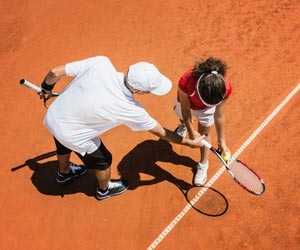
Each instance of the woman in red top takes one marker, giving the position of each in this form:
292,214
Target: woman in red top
202,92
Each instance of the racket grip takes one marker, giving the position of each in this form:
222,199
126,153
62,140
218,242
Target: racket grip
206,143
30,85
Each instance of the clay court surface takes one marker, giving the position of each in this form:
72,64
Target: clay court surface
259,40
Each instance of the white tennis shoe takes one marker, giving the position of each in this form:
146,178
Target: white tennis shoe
201,174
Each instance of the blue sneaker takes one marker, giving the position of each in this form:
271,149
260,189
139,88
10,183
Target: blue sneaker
75,171
114,188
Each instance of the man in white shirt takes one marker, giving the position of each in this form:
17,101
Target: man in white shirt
98,99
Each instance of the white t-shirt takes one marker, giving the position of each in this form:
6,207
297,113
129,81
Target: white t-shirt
95,101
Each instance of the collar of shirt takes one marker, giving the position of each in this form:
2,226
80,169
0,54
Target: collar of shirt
122,84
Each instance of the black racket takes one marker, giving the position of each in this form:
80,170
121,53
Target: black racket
39,91
246,177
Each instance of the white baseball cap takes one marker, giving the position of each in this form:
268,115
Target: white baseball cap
145,76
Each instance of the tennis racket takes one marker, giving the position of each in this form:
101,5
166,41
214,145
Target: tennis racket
39,91
246,177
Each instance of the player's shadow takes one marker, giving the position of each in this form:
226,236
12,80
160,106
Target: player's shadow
44,174
144,159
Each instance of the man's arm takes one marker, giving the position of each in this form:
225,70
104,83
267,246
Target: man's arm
50,79
171,136
55,74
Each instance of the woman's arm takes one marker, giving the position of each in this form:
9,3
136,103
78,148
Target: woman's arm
219,123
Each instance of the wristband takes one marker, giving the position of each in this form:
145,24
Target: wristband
46,86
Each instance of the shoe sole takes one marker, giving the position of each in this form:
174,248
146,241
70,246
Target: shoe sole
71,178
110,195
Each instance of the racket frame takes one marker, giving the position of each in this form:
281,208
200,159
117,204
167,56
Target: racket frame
226,164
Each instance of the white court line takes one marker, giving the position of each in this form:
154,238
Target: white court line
185,210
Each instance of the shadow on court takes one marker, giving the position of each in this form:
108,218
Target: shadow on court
144,159
206,200
44,175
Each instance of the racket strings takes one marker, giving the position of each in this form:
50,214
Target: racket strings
246,177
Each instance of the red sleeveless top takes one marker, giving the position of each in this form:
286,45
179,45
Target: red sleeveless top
188,85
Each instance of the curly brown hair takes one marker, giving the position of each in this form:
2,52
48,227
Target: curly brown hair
211,85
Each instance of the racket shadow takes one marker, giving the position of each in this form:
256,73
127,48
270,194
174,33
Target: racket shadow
206,200
143,159
44,174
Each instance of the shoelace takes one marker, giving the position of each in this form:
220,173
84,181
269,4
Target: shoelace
200,171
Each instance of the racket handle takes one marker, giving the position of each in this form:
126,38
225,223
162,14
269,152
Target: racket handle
206,143
30,85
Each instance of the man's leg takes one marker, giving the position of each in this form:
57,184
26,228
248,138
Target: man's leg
101,160
64,162
103,178
67,170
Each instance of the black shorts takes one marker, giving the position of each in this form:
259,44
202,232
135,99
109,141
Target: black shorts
100,159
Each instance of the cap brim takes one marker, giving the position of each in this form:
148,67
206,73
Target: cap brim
164,87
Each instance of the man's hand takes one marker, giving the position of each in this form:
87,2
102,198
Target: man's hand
46,94
197,142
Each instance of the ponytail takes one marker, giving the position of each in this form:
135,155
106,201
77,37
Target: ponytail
211,86
208,66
